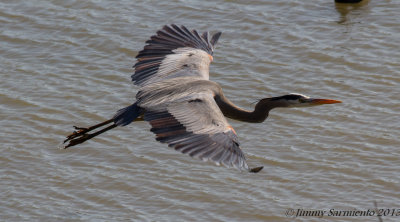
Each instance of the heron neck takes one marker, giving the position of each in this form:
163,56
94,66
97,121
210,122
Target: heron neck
258,115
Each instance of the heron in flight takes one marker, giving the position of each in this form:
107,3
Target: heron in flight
184,108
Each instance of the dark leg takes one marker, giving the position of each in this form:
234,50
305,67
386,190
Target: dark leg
81,134
86,136
80,131
122,118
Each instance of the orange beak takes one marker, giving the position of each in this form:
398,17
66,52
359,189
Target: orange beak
211,58
324,101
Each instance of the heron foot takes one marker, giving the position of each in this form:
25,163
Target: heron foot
256,169
81,134
80,128
79,131
82,138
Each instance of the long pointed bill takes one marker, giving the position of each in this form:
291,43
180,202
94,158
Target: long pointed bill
324,101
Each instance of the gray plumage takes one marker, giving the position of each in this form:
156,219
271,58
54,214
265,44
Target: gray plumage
184,108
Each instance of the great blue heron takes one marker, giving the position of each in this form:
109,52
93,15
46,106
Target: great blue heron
185,109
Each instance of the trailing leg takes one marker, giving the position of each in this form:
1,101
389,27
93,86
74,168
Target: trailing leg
122,118
82,131
82,137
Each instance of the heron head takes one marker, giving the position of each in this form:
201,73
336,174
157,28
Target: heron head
299,100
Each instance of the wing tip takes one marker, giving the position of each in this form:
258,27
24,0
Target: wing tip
214,38
163,43
187,39
256,169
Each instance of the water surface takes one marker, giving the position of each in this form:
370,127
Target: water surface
66,63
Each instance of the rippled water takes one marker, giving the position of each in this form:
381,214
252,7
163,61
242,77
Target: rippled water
66,63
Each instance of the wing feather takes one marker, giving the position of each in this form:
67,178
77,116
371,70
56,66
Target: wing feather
206,37
195,126
215,38
172,50
183,33
177,99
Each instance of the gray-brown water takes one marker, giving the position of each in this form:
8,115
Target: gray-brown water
66,63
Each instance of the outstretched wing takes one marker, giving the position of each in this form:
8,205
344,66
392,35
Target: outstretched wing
174,52
194,125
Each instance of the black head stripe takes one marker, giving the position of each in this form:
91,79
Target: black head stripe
287,97
291,97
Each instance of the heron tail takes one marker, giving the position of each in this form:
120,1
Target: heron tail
127,115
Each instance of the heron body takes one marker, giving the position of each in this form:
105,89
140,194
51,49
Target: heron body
184,108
